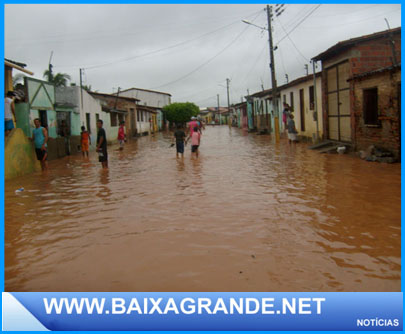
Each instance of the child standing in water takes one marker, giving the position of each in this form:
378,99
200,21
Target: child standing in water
292,131
180,137
121,135
85,141
195,141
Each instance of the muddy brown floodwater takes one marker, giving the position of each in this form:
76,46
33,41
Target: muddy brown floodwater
248,215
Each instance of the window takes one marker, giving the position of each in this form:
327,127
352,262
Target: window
138,116
120,118
370,106
113,119
292,100
88,122
311,98
97,118
284,98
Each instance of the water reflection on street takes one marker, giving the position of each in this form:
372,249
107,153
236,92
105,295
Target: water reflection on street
248,215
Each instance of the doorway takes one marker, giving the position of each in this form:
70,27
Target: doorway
302,110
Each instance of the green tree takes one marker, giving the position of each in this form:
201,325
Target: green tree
180,112
59,79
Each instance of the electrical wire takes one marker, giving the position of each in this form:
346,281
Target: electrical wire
206,62
160,50
292,42
299,23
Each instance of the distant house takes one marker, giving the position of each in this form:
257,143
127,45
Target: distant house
351,71
152,99
206,115
239,111
146,120
261,113
118,108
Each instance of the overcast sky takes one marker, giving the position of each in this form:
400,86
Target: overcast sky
185,50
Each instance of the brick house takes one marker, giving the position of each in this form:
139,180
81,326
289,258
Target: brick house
376,108
349,70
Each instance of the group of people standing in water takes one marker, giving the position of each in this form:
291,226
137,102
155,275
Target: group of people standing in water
195,127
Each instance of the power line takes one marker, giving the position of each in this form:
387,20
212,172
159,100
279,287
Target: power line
357,21
292,42
296,26
322,16
205,63
159,50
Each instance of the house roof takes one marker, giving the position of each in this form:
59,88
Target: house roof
145,90
237,105
114,96
17,66
378,71
110,109
15,62
285,86
146,108
353,41
215,109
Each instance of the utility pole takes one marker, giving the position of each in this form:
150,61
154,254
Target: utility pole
273,76
316,101
50,68
219,113
306,68
286,77
394,57
81,87
227,94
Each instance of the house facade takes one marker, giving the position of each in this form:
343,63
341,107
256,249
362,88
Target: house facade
240,115
146,120
262,116
119,109
376,110
351,59
152,99
300,96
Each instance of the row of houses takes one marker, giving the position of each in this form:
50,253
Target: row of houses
141,110
357,96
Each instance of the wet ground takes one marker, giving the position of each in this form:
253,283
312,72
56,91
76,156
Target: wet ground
248,215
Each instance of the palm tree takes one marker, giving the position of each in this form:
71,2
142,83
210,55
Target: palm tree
59,79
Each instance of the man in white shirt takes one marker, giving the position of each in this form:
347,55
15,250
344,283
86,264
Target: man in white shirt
9,111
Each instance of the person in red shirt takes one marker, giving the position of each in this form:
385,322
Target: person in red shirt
121,135
192,125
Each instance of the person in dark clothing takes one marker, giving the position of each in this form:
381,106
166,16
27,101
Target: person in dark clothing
64,131
180,136
102,145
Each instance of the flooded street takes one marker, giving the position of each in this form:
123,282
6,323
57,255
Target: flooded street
248,215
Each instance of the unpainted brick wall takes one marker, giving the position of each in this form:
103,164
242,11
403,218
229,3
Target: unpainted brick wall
387,135
375,54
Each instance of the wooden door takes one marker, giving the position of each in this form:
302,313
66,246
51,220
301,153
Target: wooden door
338,102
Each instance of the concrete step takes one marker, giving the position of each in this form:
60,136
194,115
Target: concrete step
321,145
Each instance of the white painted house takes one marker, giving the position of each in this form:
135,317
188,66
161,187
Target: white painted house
152,99
300,95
